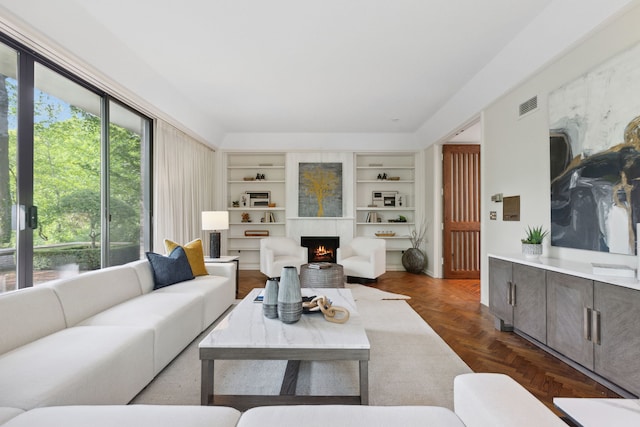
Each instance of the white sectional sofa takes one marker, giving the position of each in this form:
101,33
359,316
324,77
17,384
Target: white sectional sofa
481,400
100,337
75,351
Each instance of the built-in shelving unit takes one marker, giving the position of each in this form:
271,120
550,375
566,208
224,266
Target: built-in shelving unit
256,183
264,178
385,200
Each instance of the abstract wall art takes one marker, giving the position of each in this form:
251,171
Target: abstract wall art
594,124
320,189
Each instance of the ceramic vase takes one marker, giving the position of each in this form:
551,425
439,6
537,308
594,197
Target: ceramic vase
289,295
270,299
414,260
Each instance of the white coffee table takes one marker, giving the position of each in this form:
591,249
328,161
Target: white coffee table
246,334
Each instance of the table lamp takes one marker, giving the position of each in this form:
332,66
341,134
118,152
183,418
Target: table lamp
215,220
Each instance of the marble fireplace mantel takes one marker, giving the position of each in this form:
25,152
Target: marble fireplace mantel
321,226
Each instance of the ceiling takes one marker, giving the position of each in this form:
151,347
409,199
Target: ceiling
315,66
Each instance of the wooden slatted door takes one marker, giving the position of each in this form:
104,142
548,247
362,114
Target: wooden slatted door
461,198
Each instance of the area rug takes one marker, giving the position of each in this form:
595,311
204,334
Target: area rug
410,365
362,292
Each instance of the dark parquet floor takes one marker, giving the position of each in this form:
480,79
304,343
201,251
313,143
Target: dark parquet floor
453,309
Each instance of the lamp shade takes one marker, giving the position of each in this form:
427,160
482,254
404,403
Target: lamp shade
215,220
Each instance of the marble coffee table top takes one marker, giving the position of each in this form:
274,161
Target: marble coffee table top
246,327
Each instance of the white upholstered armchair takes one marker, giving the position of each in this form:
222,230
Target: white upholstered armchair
364,257
277,252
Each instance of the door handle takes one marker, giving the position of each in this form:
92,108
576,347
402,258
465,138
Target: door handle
586,323
595,326
32,217
509,292
513,295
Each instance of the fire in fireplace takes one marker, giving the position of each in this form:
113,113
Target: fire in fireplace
321,248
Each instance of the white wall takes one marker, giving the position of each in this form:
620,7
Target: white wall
515,152
321,141
433,209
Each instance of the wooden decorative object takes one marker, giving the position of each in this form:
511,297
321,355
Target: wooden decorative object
253,233
385,234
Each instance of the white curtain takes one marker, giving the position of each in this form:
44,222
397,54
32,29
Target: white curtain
183,176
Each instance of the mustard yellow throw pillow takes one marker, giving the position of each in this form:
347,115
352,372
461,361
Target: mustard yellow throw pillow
194,252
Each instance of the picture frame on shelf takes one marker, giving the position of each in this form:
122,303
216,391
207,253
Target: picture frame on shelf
259,198
385,198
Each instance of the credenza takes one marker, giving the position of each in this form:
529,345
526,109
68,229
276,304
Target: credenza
591,321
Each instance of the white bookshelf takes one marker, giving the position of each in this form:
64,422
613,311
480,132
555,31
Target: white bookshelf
242,173
397,200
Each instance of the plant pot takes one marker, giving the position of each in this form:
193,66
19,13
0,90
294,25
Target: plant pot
414,260
531,250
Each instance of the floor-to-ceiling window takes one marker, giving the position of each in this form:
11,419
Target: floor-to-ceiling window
73,174
128,176
8,159
66,176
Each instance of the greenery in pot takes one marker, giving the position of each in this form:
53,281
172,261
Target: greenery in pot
416,236
535,235
532,243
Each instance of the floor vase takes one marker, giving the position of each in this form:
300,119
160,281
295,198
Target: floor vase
414,260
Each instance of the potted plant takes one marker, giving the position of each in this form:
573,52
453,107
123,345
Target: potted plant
532,242
414,259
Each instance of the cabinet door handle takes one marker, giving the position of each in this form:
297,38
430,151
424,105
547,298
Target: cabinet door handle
510,292
595,326
513,295
586,323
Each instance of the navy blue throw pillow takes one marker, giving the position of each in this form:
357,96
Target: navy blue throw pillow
171,269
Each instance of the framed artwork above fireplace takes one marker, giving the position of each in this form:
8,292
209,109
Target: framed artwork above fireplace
320,189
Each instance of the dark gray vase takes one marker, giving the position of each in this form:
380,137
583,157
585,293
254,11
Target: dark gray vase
289,295
414,260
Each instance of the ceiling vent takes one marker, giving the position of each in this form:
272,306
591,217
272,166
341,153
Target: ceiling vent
528,106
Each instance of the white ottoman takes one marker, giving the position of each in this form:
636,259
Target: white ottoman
127,416
349,415
497,400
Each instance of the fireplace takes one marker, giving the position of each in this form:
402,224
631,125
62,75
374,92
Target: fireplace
321,248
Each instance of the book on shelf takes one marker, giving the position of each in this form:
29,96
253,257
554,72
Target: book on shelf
618,270
319,265
268,217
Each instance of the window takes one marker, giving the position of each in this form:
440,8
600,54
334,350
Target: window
74,194
8,175
128,132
